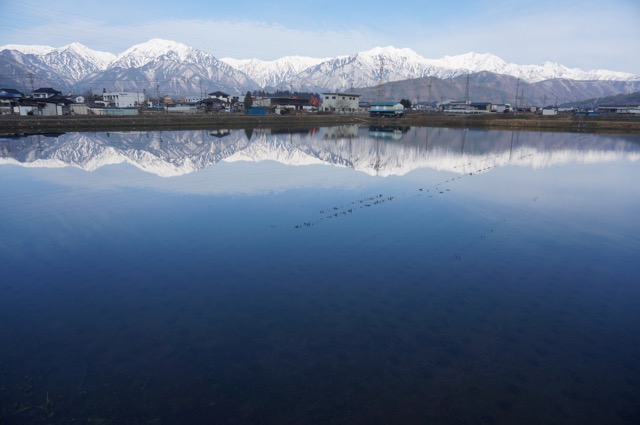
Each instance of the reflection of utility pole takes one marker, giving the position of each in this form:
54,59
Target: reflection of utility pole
376,166
511,148
464,137
426,146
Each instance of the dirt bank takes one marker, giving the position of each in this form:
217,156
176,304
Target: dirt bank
531,122
526,122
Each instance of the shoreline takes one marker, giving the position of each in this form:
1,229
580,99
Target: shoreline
615,124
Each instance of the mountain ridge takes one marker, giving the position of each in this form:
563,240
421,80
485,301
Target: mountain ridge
175,68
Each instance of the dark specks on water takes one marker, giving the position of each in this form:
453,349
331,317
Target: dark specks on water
435,278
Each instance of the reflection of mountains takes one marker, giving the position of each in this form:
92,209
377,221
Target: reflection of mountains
173,153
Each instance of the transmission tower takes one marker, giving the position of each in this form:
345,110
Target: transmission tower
31,75
466,90
380,78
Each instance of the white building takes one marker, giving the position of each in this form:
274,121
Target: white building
191,99
45,93
220,96
123,99
340,102
501,107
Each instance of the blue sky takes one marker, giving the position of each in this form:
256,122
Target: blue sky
583,34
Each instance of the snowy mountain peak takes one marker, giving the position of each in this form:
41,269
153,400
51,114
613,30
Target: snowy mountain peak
271,73
295,62
390,51
191,70
100,59
471,62
35,49
143,53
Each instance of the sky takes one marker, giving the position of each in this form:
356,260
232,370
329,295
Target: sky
584,34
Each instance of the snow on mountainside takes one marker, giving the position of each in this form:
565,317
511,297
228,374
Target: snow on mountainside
100,59
27,49
71,63
143,53
177,69
272,73
51,55
183,70
363,69
17,67
77,61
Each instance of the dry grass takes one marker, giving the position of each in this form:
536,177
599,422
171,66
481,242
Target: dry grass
527,122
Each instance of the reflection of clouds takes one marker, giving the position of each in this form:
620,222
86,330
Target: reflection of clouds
178,153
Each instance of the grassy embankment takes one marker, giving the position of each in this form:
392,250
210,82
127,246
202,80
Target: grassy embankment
526,122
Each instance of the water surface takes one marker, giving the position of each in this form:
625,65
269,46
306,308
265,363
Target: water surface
333,275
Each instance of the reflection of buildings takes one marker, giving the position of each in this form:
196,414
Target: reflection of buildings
220,132
294,130
340,132
388,132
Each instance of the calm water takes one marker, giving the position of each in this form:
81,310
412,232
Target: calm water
336,275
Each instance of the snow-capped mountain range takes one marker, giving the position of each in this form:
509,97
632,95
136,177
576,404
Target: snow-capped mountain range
177,69
274,73
177,153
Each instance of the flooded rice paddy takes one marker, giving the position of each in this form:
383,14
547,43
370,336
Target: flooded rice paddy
343,275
